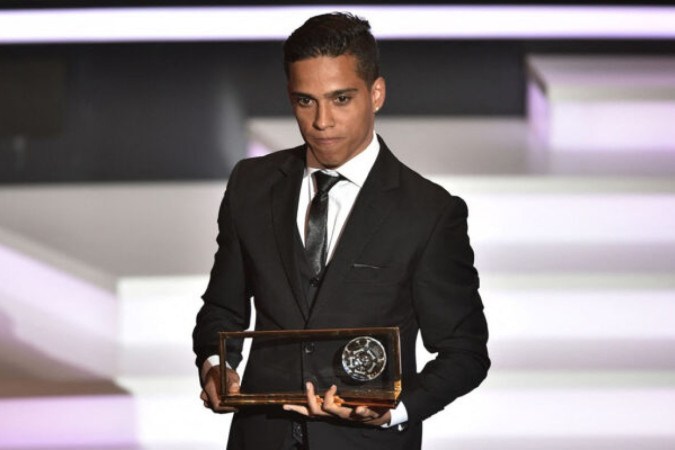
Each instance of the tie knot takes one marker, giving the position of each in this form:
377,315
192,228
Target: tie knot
325,182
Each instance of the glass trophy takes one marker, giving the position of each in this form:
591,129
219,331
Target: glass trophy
364,364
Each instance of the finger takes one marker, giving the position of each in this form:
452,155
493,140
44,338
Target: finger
217,408
224,409
332,406
382,418
211,396
214,405
313,406
297,408
313,403
232,382
233,388
212,401
365,413
329,399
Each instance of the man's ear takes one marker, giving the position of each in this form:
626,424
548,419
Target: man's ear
378,93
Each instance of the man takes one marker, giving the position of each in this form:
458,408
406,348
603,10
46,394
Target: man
393,251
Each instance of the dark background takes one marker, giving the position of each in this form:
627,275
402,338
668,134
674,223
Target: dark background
177,111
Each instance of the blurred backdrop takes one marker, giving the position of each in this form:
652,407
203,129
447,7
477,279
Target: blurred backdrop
118,128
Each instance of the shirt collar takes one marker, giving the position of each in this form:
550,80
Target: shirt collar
357,168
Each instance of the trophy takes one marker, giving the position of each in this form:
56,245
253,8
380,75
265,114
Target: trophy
364,364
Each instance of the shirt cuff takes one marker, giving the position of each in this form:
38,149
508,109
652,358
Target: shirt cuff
399,416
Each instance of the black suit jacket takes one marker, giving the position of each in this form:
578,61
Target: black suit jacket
403,260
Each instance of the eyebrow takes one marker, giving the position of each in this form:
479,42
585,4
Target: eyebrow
332,94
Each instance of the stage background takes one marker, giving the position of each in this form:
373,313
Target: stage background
115,153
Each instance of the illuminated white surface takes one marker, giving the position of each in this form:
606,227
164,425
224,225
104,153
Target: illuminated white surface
173,303
175,415
68,422
566,313
572,218
58,295
176,220
389,22
540,412
602,103
157,315
54,316
604,77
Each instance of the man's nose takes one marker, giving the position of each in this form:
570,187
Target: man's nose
324,117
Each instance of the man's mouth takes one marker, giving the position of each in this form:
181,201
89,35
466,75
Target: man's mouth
327,140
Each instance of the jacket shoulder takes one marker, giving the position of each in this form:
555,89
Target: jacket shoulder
267,167
277,159
427,192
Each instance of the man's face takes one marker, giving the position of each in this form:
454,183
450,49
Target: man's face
334,107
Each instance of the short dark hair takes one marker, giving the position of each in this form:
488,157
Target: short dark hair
335,34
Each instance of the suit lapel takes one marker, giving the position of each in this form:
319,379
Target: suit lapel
376,199
285,194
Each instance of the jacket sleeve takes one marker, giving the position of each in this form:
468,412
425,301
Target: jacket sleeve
227,305
450,315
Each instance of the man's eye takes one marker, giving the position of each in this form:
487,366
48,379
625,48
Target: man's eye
304,101
342,99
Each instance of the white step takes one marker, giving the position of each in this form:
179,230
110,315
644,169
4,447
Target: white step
64,421
159,309
563,313
582,413
562,218
162,412
621,259
602,102
503,211
581,321
55,325
120,229
588,418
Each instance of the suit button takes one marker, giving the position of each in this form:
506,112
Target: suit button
314,282
297,431
309,347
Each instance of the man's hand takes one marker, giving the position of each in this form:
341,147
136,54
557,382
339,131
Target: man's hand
212,387
328,408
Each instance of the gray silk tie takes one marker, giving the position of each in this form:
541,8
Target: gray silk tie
316,238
